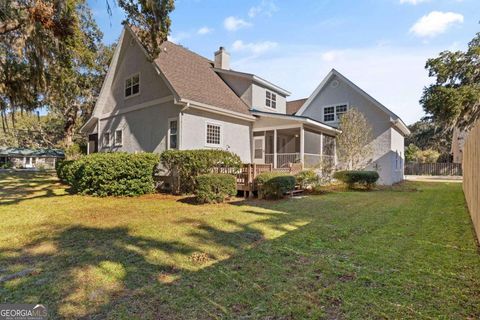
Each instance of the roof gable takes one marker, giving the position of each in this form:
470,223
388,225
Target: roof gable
396,119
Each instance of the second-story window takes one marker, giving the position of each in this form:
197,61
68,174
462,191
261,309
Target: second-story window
271,100
132,85
334,113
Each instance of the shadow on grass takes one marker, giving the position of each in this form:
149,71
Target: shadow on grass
85,271
16,187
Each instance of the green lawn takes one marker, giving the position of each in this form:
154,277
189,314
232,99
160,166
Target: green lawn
405,252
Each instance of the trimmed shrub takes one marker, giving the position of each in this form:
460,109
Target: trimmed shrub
65,170
110,174
189,164
306,178
273,185
215,187
367,178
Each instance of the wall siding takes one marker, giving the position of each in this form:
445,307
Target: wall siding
386,140
143,130
132,60
236,134
258,100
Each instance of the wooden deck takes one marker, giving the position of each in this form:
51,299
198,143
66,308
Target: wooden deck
248,173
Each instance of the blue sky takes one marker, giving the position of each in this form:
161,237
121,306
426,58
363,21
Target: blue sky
381,45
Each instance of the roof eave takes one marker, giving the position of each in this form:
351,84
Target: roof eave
256,79
206,107
301,119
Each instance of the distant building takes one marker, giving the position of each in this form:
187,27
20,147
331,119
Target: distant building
458,141
30,158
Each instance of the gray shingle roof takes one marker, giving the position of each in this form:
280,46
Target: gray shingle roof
26,152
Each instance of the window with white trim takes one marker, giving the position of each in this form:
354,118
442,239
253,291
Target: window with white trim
106,139
214,132
173,134
334,113
118,137
271,100
132,86
329,114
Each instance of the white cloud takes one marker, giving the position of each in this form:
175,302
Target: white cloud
414,2
204,30
395,76
266,7
255,48
330,56
233,23
435,23
178,37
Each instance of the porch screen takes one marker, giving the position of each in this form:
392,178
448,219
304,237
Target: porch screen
312,142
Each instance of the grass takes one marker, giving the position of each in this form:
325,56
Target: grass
404,252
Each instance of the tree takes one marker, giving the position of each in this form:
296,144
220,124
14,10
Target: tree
29,17
411,153
426,134
48,50
353,144
427,156
454,99
32,131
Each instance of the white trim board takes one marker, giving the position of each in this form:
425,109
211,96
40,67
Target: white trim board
136,107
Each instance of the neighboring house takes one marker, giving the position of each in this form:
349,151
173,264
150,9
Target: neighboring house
30,158
334,96
184,101
458,141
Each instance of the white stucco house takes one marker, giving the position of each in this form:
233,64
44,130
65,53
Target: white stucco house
182,100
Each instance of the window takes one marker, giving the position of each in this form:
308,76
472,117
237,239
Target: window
271,100
106,139
132,85
333,113
118,137
173,134
329,114
213,134
340,110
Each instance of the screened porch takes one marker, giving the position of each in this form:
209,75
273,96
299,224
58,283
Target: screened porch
284,146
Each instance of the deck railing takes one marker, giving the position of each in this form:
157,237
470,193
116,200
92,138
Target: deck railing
283,159
311,160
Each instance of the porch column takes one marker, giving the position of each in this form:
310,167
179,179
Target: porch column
302,145
321,146
322,163
274,148
335,151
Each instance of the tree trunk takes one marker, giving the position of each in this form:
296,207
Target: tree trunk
68,133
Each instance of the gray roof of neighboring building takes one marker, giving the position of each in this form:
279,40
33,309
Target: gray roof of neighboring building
27,152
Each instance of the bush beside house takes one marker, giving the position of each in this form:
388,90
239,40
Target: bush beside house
307,178
189,164
273,185
366,178
110,174
215,187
